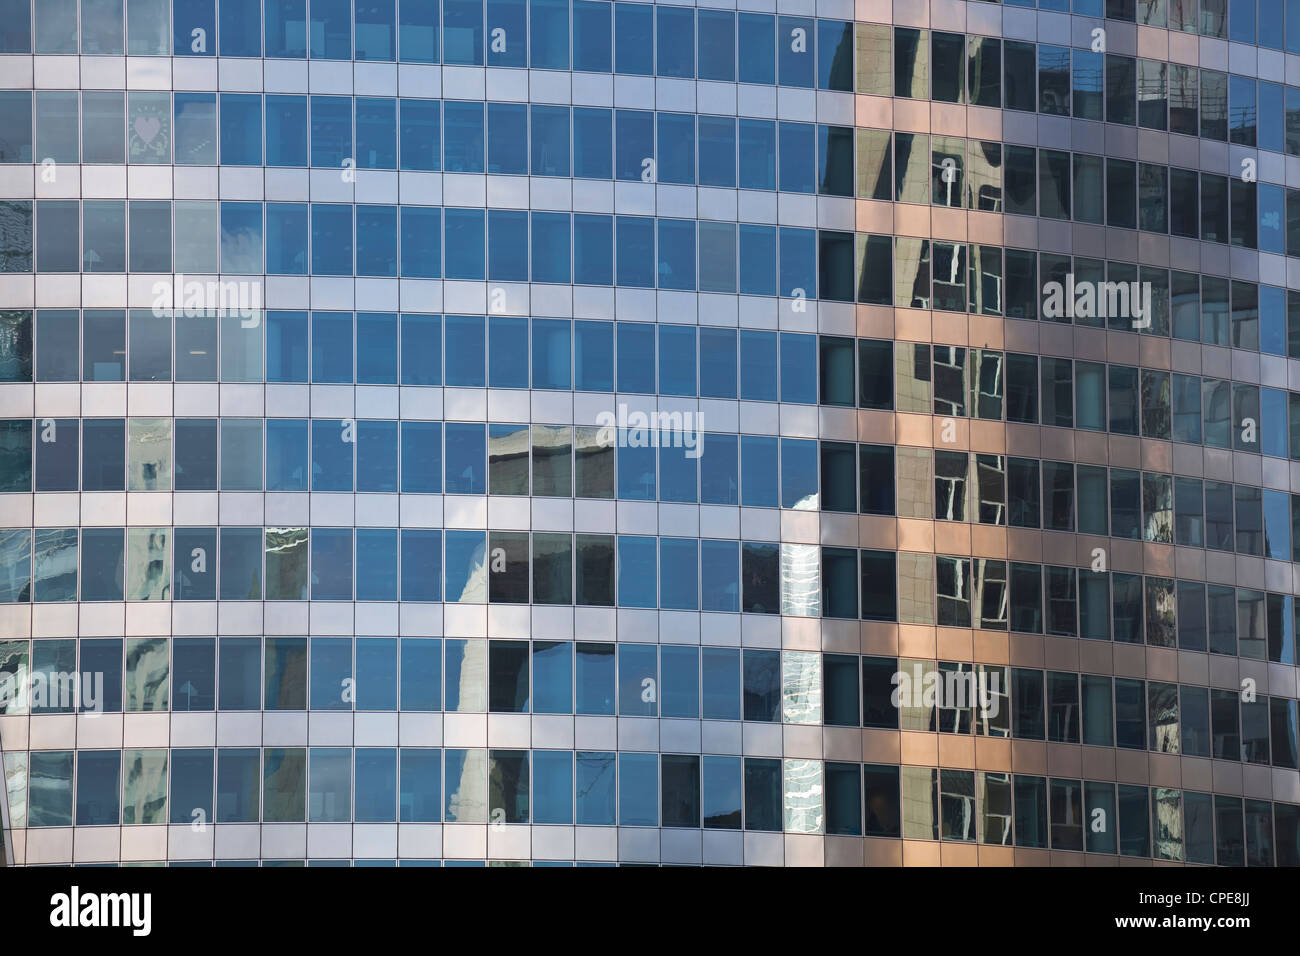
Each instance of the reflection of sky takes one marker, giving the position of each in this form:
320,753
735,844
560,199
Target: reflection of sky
467,573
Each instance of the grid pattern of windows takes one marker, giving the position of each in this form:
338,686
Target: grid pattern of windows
574,432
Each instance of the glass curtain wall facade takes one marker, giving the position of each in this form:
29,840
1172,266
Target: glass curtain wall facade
571,432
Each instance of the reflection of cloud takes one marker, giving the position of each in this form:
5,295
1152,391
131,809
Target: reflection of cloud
475,590
467,794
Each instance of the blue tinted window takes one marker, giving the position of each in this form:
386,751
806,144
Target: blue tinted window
421,565
633,38
718,151
287,460
551,354
552,677
421,681
548,35
717,45
798,262
376,687
193,673
677,255
376,348
592,25
636,571
286,238
331,130
593,260
462,32
550,141
374,27
634,252
421,242
376,564
466,351
99,787
676,359
507,138
834,55
286,28
507,245
594,785
377,241
377,456
331,239
420,794
758,154
466,459
678,582
286,130
417,31
720,471
421,349
678,465
331,673
376,133
331,564
190,794
757,42
375,798
101,564
758,378
636,465
464,562
241,237
717,363
200,16
593,143
593,356
638,789
634,137
550,247
331,347
286,346
465,241
421,135
194,136
719,577
421,457
758,462
757,260
676,137
795,51
463,137
675,41
797,144
507,351
553,787
594,678
331,455
238,786
636,349
798,368
799,473
330,29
